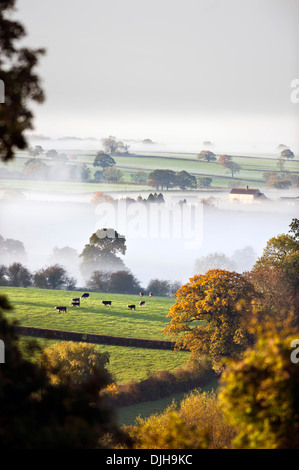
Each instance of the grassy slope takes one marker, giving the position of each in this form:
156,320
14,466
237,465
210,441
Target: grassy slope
128,414
35,307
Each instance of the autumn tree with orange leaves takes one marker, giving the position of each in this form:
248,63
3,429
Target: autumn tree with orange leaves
209,316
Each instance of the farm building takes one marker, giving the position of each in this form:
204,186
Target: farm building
246,195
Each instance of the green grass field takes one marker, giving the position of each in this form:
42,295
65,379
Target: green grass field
35,307
252,169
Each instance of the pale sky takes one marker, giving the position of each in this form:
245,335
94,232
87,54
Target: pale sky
166,69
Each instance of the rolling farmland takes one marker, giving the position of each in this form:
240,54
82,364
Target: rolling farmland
252,171
35,307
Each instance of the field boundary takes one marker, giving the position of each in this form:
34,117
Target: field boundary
93,338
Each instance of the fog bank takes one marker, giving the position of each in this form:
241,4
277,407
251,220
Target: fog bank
41,226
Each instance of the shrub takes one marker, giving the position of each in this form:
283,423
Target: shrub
167,431
260,392
161,384
205,410
53,277
198,423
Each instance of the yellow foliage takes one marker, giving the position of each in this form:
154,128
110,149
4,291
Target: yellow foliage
197,424
69,361
167,431
99,197
112,389
205,411
260,392
208,316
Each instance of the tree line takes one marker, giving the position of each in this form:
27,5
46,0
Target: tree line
57,277
124,282
51,277
102,266
65,168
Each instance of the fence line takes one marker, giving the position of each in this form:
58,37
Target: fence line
93,338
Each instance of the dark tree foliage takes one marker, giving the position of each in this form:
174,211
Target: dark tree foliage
294,229
233,168
103,160
287,153
35,151
124,282
162,179
99,281
22,85
120,282
184,180
227,162
207,156
163,287
204,182
18,275
102,252
53,277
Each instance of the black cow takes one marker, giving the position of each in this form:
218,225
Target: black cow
84,296
131,307
75,304
141,294
60,309
150,294
77,299
106,302
142,303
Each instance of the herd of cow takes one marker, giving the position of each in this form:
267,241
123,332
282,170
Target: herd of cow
76,302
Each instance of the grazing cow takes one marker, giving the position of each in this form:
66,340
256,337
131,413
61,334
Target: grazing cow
141,294
142,303
84,296
131,307
106,302
77,299
60,309
150,294
75,304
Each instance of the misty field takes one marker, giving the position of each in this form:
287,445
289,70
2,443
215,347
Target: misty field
35,307
251,173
